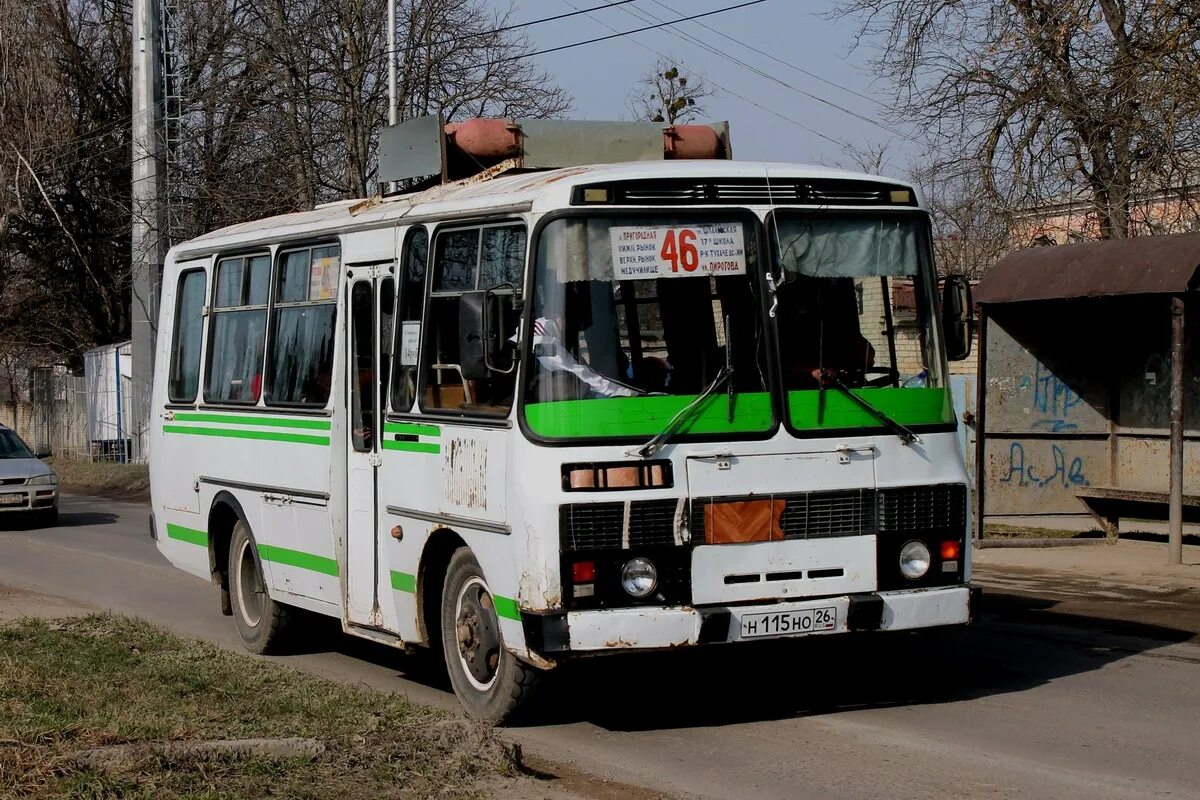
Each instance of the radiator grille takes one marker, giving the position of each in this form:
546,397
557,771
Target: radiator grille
806,515
12,481
855,512
922,508
602,526
815,515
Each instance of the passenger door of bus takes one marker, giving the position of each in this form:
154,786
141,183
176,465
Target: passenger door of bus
370,297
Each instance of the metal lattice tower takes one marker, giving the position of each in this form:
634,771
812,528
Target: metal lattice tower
173,197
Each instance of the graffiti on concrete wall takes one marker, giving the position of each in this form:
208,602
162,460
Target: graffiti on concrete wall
1053,400
1059,470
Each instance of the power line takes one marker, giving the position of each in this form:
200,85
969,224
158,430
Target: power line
730,92
781,61
513,27
618,34
773,78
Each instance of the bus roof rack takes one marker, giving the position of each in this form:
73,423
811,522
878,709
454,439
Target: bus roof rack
428,146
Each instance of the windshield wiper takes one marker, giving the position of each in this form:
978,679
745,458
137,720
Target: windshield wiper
655,444
906,436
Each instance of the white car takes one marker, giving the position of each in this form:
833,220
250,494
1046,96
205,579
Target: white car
27,484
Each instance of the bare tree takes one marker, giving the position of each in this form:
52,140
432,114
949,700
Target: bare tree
282,106
1046,99
667,95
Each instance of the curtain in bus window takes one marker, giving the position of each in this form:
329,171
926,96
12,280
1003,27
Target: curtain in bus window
362,371
185,351
302,354
502,255
459,257
408,329
846,247
235,368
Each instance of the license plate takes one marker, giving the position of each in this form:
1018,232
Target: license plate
789,623
12,499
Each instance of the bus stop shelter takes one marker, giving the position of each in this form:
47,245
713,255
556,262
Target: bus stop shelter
1089,386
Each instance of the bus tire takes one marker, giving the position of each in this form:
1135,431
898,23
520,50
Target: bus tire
261,622
491,683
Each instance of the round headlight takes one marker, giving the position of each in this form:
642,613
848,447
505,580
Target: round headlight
41,480
914,560
639,577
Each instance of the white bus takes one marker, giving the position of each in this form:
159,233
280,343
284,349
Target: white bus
568,412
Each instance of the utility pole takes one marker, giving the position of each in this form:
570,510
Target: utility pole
391,49
146,251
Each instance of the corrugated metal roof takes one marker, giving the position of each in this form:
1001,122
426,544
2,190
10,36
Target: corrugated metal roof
1143,265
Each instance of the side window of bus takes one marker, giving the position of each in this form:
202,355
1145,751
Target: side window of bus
185,347
468,259
238,328
408,316
302,326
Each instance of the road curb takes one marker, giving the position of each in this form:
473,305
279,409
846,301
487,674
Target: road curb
1042,542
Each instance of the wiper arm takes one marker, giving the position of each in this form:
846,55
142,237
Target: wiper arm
684,414
906,436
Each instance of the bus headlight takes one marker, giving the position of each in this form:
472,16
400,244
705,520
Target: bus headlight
914,560
639,577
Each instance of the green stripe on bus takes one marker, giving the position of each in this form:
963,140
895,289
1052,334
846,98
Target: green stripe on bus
646,416
189,535
403,582
809,410
413,447
266,422
295,558
272,436
506,607
913,406
412,427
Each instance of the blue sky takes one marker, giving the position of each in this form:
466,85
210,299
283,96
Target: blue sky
599,76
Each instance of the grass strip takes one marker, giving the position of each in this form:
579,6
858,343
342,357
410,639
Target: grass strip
72,686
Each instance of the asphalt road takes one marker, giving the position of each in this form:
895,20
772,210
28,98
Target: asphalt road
1037,700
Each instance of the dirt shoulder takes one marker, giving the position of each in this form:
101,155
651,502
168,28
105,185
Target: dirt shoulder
101,705
103,478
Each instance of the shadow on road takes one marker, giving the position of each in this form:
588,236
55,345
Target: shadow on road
66,519
1020,643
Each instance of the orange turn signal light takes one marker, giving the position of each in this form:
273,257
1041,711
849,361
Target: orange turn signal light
949,551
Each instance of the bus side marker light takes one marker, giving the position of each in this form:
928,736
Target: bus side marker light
397,532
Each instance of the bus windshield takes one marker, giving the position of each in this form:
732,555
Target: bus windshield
634,317
835,275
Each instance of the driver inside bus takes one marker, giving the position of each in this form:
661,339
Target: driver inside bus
819,333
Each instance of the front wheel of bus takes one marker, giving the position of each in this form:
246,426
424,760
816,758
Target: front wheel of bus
490,682
261,622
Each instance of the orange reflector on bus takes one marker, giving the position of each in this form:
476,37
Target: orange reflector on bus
949,551
617,475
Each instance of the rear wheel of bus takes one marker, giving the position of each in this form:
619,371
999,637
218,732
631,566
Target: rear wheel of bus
491,683
261,622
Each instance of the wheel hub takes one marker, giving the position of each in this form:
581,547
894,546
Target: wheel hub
478,633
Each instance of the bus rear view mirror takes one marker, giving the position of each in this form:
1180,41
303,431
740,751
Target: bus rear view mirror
958,316
486,320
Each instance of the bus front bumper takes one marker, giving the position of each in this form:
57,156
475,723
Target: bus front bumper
650,628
